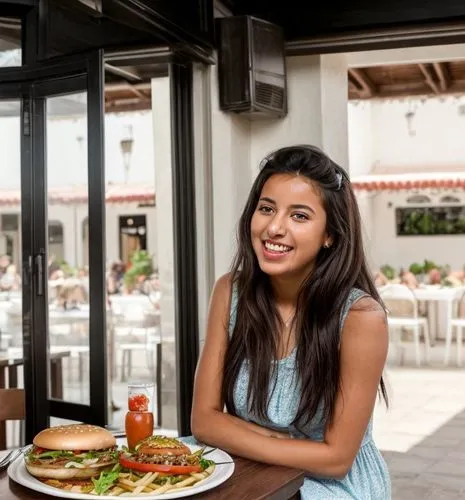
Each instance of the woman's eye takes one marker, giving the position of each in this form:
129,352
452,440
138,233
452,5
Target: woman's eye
300,217
264,209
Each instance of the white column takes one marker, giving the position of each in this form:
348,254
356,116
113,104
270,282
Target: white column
363,141
366,207
231,174
203,191
161,110
317,103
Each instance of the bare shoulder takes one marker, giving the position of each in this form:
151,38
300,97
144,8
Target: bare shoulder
224,283
222,289
220,301
366,322
367,309
364,342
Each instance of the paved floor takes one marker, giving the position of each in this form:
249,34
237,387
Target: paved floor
422,434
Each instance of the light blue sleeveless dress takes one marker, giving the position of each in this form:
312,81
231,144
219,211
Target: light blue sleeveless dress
368,479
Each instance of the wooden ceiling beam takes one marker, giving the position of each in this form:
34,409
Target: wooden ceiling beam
443,75
363,81
124,107
138,93
355,87
429,78
121,86
130,76
398,91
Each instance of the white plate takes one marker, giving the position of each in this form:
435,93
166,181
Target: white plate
18,473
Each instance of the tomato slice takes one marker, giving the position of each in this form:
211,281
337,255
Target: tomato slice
164,469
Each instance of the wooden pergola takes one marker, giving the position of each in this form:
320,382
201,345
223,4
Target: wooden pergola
132,92
404,80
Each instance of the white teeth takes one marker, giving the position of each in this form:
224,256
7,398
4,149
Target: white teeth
277,248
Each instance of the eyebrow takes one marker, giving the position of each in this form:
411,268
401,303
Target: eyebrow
295,206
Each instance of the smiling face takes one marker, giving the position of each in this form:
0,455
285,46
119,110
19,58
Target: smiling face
288,227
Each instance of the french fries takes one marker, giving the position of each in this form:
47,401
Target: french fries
152,485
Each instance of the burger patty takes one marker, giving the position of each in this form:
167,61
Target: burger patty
161,445
167,459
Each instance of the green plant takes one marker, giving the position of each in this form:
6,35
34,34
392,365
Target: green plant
418,221
426,224
69,271
445,271
416,269
141,266
388,271
429,265
446,282
460,225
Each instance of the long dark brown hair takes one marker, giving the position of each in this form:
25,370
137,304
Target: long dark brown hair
321,298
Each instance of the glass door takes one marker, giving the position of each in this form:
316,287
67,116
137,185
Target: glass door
10,251
63,283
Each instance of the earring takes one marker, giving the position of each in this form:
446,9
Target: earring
326,245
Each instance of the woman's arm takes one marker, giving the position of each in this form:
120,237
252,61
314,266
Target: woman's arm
263,431
209,376
363,353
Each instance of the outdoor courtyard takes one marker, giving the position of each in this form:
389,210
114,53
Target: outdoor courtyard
422,434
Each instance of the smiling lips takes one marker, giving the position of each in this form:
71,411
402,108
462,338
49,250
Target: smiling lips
276,249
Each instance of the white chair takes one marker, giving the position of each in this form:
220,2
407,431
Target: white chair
402,308
459,324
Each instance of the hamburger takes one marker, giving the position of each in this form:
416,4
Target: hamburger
164,455
71,452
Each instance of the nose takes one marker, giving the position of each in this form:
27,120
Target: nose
276,227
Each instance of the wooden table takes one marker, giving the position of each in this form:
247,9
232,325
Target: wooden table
250,481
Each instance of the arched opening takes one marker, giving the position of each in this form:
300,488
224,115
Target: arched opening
56,240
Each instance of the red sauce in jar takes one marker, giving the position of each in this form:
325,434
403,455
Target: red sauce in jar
138,402
139,425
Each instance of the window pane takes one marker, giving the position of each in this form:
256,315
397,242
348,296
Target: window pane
11,336
10,42
139,291
68,251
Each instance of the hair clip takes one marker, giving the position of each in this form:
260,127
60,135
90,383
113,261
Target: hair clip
339,181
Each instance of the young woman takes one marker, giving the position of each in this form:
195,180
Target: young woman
297,338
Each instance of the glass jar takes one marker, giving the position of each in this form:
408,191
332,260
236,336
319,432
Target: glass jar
139,418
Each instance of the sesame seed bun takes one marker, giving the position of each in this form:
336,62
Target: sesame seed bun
75,437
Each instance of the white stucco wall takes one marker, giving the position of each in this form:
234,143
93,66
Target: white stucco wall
401,251
379,138
361,138
380,142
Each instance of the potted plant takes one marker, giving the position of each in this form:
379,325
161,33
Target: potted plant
388,271
141,267
418,270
